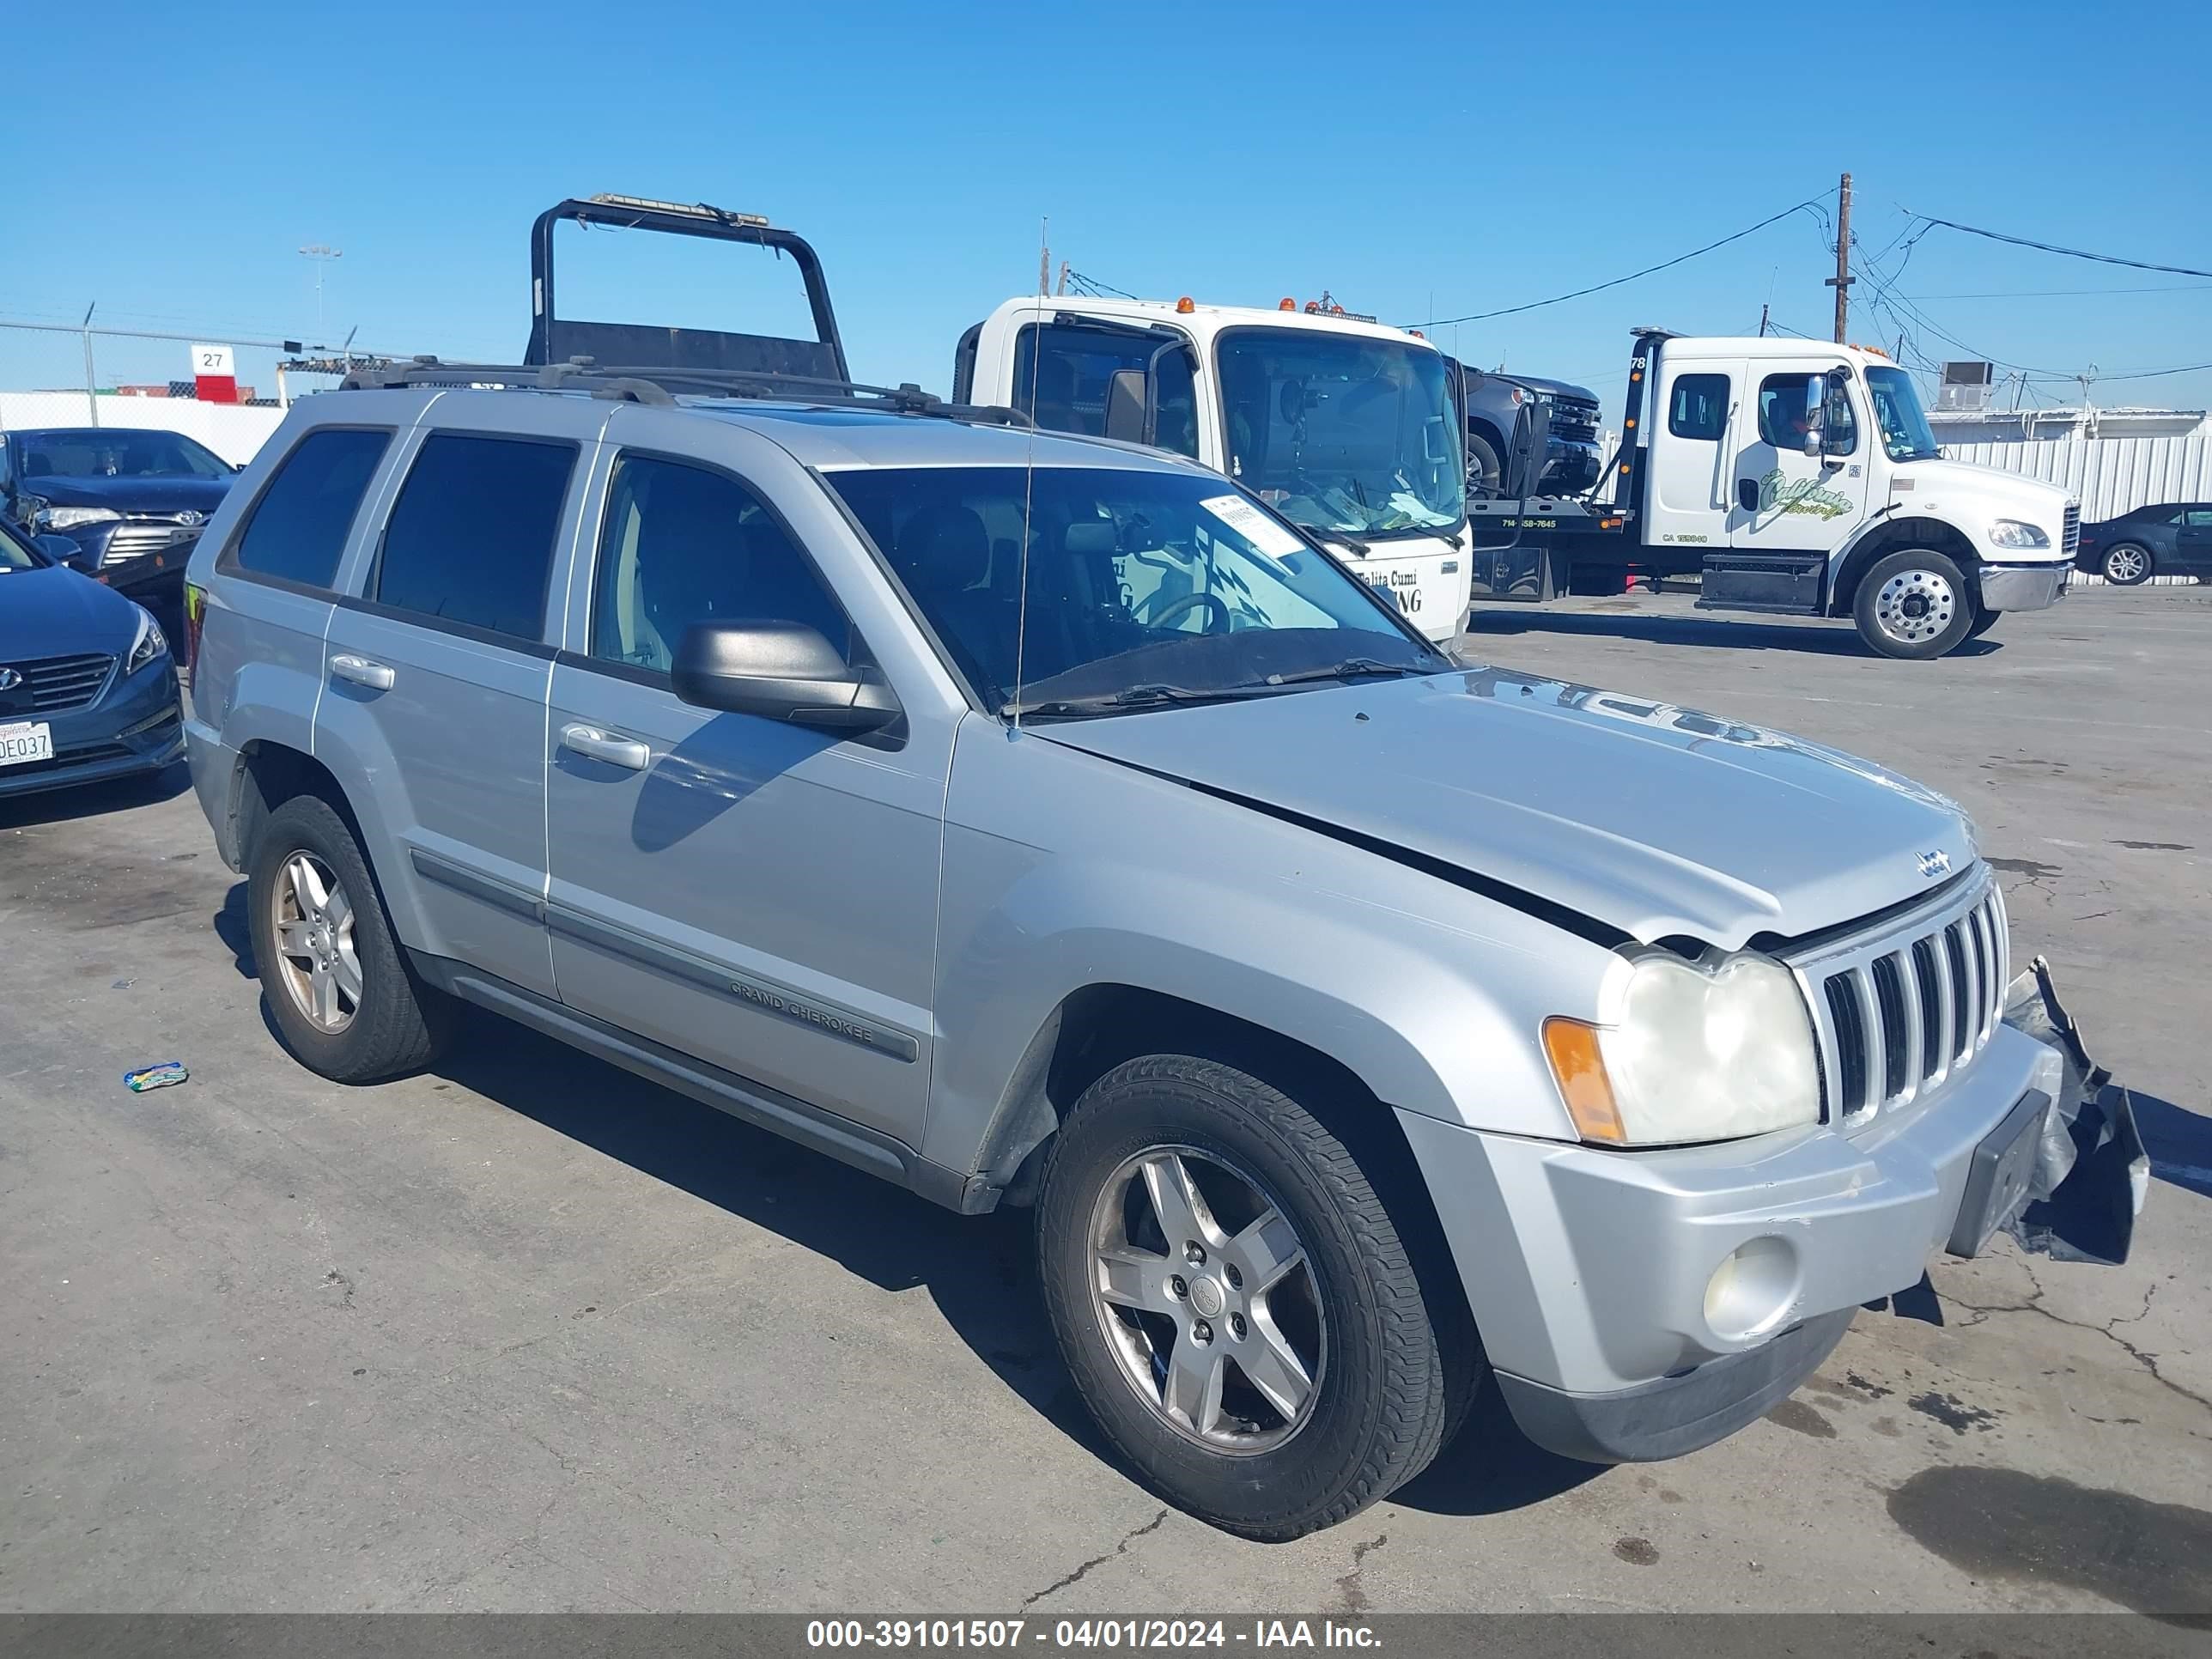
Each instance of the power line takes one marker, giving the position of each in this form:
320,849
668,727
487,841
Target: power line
1091,288
2053,247
1812,205
2059,293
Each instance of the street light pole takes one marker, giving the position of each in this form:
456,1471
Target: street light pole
322,254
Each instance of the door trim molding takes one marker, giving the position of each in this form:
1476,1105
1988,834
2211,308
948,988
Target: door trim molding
492,889
768,995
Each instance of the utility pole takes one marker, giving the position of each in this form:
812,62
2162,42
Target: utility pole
1841,281
1062,287
1044,256
1763,310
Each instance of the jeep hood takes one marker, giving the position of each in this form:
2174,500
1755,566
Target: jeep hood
1654,821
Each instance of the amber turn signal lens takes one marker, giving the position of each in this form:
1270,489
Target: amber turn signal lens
1571,1046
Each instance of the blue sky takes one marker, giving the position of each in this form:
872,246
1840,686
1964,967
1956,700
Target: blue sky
1418,161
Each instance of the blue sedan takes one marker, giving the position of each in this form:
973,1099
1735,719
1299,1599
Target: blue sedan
87,690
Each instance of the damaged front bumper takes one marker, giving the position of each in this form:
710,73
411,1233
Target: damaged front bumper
2089,1174
1640,1305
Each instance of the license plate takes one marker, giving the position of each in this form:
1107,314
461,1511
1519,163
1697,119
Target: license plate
1996,1180
26,741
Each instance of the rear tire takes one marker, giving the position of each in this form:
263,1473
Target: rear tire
1372,1386
343,996
1913,604
2128,564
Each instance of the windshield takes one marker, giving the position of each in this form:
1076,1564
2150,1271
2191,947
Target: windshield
107,453
1343,432
1163,586
1897,410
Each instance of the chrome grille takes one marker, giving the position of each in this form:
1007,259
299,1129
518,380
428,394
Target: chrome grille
58,684
1902,1008
134,539
2069,537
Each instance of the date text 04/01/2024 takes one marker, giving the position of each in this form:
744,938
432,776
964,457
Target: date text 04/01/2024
1108,1633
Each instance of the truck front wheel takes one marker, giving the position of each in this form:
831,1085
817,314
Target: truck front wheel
1914,604
1239,1311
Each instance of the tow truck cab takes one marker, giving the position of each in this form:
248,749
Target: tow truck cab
1349,429
1783,473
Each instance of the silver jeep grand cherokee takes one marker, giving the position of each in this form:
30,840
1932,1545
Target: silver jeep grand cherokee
1036,820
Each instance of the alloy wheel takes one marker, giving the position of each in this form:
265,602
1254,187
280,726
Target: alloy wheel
2125,564
317,962
1206,1298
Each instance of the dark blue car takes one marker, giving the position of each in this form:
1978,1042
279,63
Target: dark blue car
87,689
132,501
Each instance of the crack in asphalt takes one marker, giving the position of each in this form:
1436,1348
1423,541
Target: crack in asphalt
2147,1360
1121,1548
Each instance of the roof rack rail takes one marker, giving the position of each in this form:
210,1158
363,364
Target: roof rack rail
660,385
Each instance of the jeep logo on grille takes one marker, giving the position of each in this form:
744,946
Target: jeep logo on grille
1934,864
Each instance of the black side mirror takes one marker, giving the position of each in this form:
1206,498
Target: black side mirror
62,550
779,671
1127,397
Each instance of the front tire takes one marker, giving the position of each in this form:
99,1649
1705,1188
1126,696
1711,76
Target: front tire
344,1000
1237,1307
1484,471
1913,604
2127,565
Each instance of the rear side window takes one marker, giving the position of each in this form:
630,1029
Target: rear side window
1699,408
471,538
298,528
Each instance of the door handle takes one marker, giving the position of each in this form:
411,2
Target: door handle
361,671
595,744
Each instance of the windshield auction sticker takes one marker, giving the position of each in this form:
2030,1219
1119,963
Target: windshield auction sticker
1253,525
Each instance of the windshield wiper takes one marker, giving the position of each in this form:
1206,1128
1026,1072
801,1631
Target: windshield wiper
1336,535
1108,702
1353,668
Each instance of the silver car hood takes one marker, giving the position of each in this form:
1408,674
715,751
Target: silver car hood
1653,820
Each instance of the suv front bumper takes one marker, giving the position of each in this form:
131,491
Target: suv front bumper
1591,1274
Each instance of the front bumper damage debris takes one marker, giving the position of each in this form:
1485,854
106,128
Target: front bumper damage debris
2090,1173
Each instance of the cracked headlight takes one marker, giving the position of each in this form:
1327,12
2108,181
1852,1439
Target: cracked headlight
2017,532
149,647
1689,1052
73,518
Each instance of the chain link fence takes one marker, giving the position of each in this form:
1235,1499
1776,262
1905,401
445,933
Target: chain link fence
228,393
